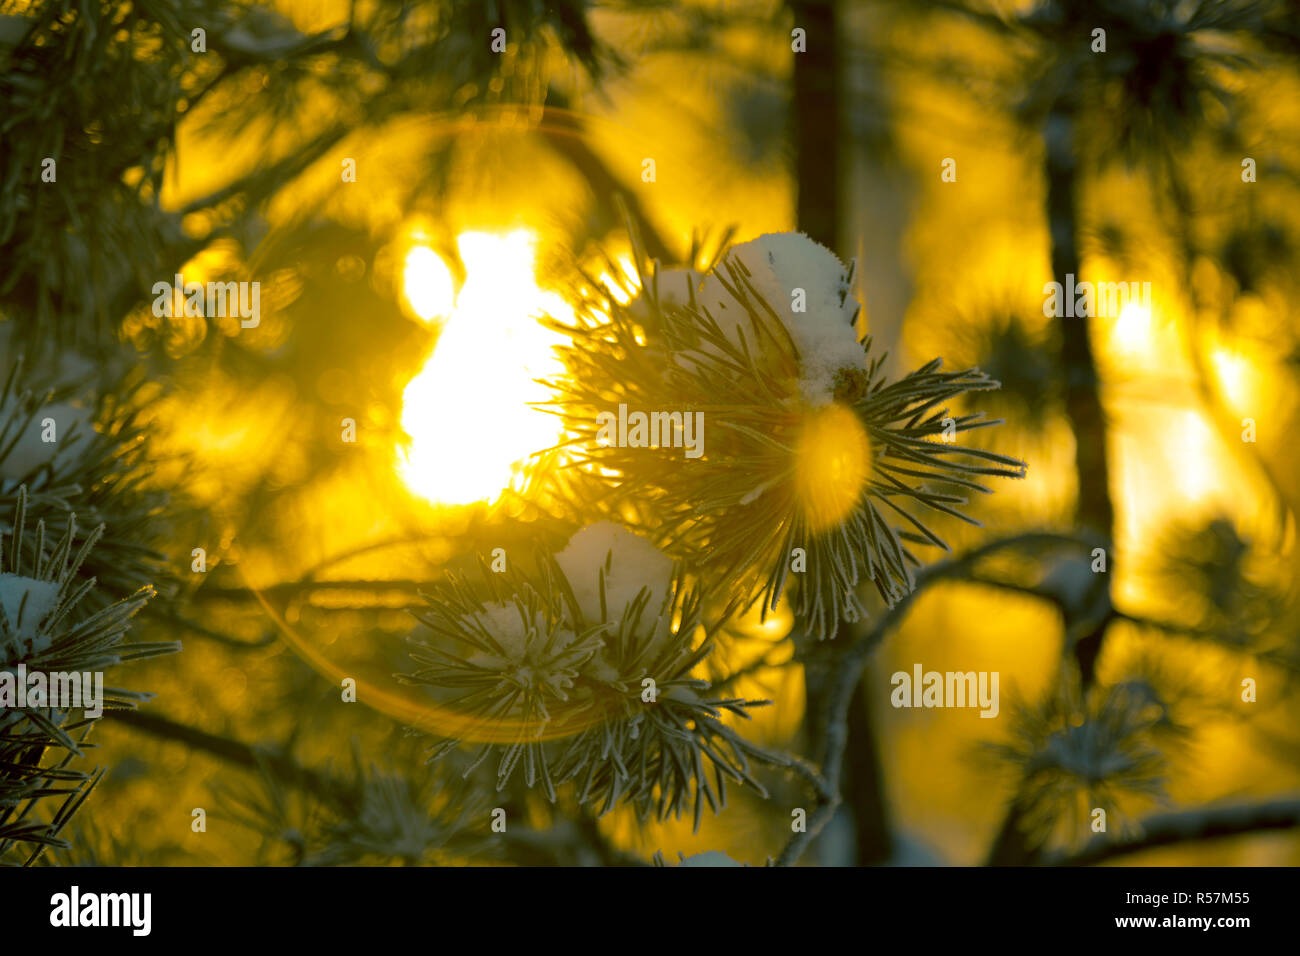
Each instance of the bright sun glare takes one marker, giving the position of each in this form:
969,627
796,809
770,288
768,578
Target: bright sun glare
427,283
467,412
1234,374
1133,332
1194,457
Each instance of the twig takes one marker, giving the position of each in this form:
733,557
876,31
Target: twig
567,135
196,628
294,587
952,569
763,662
228,749
358,550
1188,826
826,785
848,670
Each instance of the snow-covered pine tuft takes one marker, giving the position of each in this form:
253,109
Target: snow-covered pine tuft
47,611
549,666
628,563
810,445
674,287
533,652
506,625
776,265
25,603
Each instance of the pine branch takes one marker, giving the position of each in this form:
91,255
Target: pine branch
1188,826
230,750
566,133
549,667
48,626
196,628
851,661
296,588
780,421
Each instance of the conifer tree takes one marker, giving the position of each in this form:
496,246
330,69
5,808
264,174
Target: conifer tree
202,377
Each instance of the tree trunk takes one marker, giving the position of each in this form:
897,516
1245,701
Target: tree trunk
817,132
1093,508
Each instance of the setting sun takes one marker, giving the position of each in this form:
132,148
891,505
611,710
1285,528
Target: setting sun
467,412
427,283
1133,332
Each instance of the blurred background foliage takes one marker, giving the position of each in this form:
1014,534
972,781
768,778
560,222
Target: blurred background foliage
486,184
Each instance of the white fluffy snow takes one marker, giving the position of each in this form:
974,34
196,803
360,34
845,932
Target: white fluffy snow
676,285
523,656
41,599
779,263
634,563
506,625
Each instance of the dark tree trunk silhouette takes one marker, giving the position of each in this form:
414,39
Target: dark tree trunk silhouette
817,126
817,131
1094,510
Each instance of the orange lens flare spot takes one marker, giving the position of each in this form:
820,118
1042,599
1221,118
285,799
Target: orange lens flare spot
832,465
